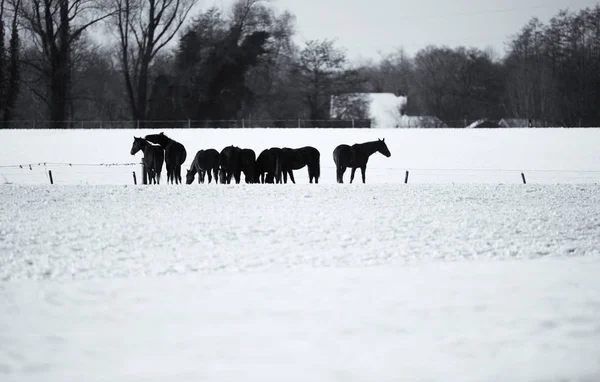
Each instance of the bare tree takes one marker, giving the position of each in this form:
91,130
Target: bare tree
2,59
144,27
323,71
55,26
13,79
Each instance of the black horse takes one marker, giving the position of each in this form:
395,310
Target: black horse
357,156
266,166
205,161
154,157
248,164
229,163
295,159
175,155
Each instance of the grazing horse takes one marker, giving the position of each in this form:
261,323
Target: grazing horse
248,164
357,156
205,161
295,159
229,162
267,163
175,155
154,157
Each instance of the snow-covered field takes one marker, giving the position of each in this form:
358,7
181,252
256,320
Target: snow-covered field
460,276
431,155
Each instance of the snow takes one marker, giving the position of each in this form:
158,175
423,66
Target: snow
384,108
469,276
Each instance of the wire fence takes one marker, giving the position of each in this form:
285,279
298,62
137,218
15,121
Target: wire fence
132,173
188,124
412,122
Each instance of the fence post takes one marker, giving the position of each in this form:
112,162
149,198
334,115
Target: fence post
298,122
243,124
134,179
406,177
144,174
137,123
50,175
523,177
189,123
353,123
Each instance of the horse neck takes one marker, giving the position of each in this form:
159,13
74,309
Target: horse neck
370,148
144,145
162,141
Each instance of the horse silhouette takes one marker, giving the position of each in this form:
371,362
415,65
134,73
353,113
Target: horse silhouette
294,159
266,166
205,162
357,156
248,165
154,157
229,163
175,155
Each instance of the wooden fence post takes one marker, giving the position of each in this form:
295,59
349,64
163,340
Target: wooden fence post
523,177
50,175
134,179
144,174
406,177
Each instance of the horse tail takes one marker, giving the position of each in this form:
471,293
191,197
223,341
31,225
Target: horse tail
317,169
336,156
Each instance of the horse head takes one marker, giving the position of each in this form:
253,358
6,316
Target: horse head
382,148
189,176
137,145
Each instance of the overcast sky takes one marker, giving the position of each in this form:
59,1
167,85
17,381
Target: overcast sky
366,27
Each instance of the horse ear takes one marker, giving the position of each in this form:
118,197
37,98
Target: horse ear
383,140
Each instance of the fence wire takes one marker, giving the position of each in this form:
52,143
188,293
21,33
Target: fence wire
116,173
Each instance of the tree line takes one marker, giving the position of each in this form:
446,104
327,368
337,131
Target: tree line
167,60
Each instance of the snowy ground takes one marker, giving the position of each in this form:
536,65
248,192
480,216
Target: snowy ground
480,280
300,282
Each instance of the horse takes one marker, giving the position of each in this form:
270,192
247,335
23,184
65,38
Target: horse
175,155
154,157
267,163
357,156
248,164
205,161
229,162
295,159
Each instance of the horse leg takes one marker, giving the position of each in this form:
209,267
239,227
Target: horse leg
352,174
363,170
340,174
292,176
169,173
